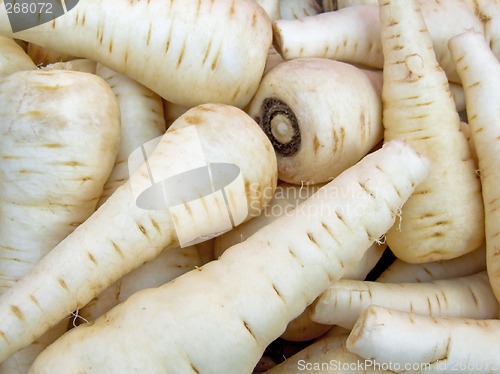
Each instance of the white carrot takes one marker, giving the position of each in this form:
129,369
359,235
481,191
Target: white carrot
295,9
13,58
220,317
428,344
479,70
467,297
138,221
403,272
444,218
141,112
55,159
321,116
352,34
168,51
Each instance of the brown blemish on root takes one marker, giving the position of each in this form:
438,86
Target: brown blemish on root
17,312
62,283
247,327
117,249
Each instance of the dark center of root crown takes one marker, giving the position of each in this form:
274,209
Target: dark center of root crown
281,127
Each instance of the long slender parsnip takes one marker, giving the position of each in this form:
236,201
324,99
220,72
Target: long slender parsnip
13,58
160,206
479,70
188,52
466,297
444,218
352,34
428,344
220,317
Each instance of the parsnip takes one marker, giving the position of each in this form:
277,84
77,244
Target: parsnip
403,272
141,112
444,218
479,71
468,297
321,116
55,159
429,344
79,64
272,8
346,3
295,9
124,232
352,34
161,44
273,59
220,317
13,58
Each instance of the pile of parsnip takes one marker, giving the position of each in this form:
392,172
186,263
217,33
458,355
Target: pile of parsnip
186,186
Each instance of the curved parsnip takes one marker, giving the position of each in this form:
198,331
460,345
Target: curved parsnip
321,116
468,297
444,218
59,139
141,112
138,221
13,58
403,272
429,344
160,44
479,70
352,34
220,317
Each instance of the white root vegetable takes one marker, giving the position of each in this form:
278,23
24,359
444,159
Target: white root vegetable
168,51
136,223
295,9
444,218
288,268
352,34
328,354
169,265
13,58
403,272
321,116
342,35
55,158
272,8
479,71
141,112
429,344
468,297
346,3
44,56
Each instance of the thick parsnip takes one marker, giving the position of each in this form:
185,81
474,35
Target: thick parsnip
160,44
13,58
468,297
138,221
428,344
220,317
444,218
322,116
141,112
59,139
479,71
